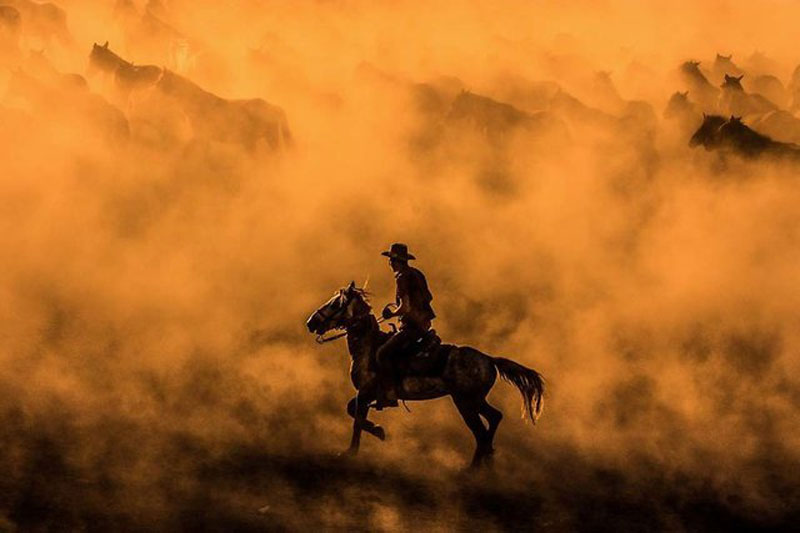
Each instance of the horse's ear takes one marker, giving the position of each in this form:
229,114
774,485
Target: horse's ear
105,45
704,115
351,286
740,77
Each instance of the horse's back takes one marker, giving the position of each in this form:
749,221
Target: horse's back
456,370
469,371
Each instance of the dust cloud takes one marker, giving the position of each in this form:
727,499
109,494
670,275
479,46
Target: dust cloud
164,240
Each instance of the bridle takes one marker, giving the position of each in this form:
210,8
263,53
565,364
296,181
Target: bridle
326,318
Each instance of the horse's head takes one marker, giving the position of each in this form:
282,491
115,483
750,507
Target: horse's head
340,311
691,66
103,59
733,83
736,132
708,132
678,104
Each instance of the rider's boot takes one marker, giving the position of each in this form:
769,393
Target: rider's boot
387,397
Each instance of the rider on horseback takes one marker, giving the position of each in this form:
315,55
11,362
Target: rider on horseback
414,309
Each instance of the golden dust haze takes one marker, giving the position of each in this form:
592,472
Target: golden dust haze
155,371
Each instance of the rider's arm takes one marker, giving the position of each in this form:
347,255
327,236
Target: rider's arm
403,303
404,306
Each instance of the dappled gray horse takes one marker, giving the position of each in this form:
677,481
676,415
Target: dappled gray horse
465,374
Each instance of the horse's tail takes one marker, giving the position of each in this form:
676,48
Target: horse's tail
529,382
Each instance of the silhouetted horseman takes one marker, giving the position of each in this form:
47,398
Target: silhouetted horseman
413,306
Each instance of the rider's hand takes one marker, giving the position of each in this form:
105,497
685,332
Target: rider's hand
387,312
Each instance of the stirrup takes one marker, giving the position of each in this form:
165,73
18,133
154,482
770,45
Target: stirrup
382,403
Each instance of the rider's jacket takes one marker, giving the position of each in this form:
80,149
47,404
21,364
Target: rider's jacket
411,284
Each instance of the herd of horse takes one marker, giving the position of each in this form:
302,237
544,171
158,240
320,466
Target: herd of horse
121,101
751,118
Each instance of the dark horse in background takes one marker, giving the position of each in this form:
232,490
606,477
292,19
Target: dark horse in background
245,122
463,373
734,136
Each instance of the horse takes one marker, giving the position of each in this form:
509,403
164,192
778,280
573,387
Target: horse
707,134
464,373
127,76
66,99
770,88
724,65
733,135
736,101
241,121
497,120
45,22
779,125
245,122
682,115
702,91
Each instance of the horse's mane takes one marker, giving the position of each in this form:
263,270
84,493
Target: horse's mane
744,134
364,294
105,52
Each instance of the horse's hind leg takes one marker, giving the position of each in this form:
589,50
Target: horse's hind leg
468,408
366,425
493,416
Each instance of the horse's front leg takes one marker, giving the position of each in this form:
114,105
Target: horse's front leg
360,410
366,425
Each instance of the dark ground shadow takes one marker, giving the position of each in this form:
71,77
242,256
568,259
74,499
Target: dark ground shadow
245,489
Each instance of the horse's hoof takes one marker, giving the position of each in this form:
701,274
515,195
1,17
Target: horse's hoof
379,432
468,471
348,453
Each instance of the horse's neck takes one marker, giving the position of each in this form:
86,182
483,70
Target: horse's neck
111,62
362,338
190,94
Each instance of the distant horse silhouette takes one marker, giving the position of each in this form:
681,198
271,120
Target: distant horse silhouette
724,65
769,87
66,99
496,120
464,373
779,125
736,101
243,122
127,76
732,135
701,90
683,114
44,21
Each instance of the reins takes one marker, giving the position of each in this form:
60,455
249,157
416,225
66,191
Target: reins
322,339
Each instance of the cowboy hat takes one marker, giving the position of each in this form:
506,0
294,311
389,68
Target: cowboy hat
398,250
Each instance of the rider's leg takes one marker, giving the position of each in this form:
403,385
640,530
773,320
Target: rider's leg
386,357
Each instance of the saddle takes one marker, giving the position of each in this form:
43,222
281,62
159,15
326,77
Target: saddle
425,356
